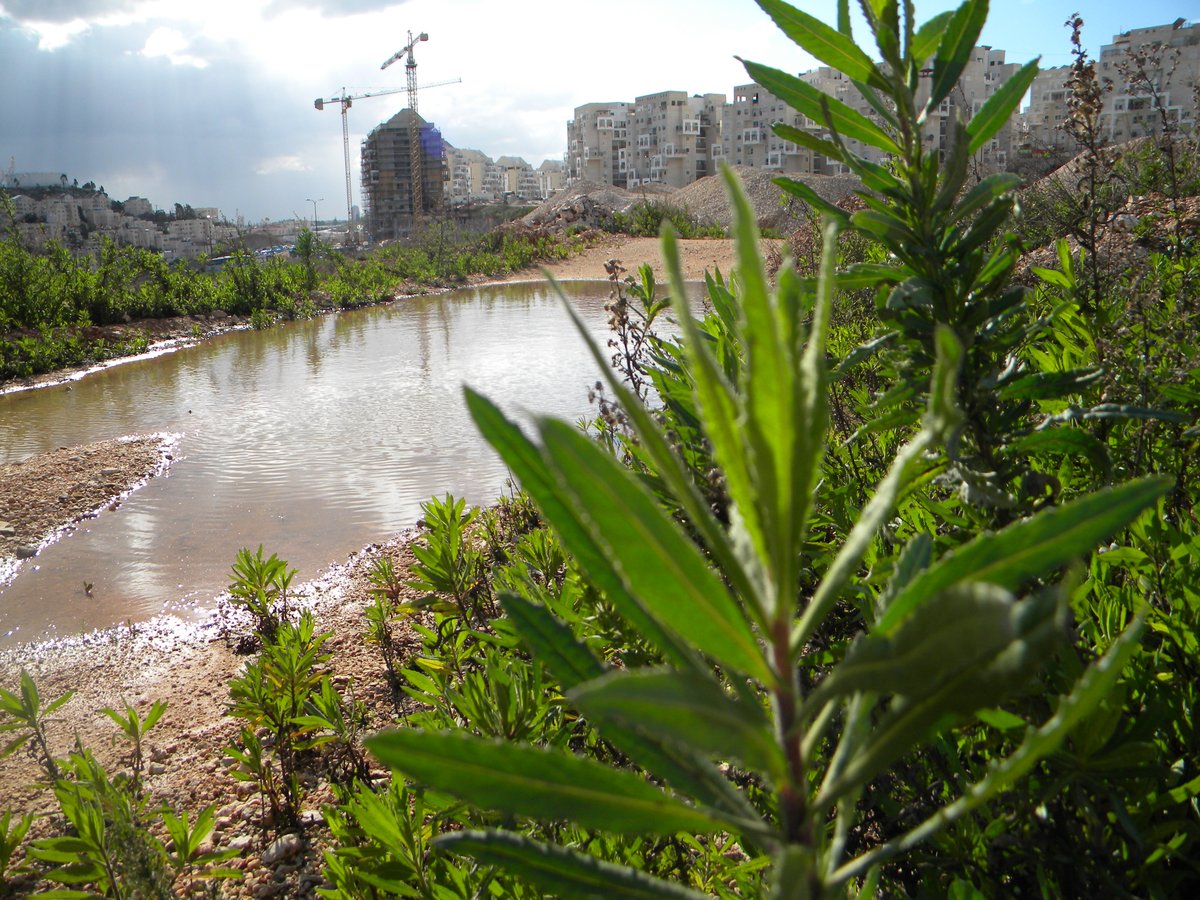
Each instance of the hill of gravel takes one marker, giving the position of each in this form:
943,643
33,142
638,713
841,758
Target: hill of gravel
591,205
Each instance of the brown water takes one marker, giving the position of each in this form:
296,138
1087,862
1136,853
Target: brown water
313,439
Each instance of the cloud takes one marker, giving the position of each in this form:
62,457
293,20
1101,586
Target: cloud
277,165
62,11
331,8
171,44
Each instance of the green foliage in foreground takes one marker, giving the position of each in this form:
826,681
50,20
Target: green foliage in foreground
891,586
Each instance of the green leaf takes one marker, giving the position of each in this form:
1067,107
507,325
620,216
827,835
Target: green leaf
551,642
944,637
825,43
1049,385
969,647
1031,547
928,37
566,873
1091,689
820,107
688,709
658,563
1071,441
809,140
999,107
954,50
526,463
543,784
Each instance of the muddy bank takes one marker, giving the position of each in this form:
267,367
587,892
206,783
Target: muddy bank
42,498
190,667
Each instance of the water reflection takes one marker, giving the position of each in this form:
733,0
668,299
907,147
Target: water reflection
313,439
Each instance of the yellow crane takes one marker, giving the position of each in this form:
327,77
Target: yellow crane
414,130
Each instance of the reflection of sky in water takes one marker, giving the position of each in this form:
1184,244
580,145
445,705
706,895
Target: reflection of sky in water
313,439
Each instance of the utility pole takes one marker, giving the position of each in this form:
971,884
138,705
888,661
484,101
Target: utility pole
314,219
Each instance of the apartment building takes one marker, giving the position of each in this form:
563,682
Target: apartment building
467,173
387,176
551,177
1129,108
1167,86
672,138
985,73
1042,123
597,141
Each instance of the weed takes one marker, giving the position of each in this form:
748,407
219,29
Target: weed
27,716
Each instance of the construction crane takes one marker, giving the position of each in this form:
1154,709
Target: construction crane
346,101
414,130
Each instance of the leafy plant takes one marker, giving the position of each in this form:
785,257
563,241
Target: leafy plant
260,587
732,607
449,564
12,832
26,715
134,727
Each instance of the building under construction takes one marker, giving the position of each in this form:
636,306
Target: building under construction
387,176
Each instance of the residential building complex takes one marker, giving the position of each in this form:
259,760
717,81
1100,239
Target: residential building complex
1130,107
672,138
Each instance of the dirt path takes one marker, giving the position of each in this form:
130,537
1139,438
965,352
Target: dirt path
695,257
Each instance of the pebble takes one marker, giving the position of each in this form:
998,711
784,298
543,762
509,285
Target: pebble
7,530
241,841
157,768
282,848
27,551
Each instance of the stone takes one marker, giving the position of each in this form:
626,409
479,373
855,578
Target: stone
7,529
282,848
241,842
27,551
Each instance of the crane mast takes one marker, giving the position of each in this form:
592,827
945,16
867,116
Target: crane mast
417,191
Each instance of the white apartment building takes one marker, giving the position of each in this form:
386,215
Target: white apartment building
597,138
671,138
1130,109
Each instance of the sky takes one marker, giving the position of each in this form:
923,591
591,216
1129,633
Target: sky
210,102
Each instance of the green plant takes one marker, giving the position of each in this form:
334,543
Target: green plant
12,832
134,727
110,847
26,715
274,693
260,587
450,565
946,644
185,855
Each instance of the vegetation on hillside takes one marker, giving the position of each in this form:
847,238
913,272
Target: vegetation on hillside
889,587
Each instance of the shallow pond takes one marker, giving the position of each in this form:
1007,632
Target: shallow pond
314,439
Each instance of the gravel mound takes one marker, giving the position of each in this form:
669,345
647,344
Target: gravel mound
706,199
591,204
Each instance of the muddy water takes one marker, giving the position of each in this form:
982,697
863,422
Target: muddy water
313,439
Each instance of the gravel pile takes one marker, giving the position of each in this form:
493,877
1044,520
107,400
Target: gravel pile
593,204
588,203
706,199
